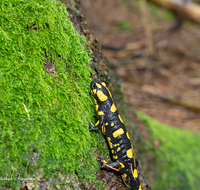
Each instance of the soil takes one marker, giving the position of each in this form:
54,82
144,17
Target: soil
159,67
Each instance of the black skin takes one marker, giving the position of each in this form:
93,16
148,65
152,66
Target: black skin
110,122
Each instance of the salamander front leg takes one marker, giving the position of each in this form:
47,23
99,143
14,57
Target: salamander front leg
98,124
108,166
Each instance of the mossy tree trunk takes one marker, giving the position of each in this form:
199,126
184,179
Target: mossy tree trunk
47,59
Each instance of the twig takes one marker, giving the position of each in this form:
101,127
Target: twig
151,90
187,103
26,109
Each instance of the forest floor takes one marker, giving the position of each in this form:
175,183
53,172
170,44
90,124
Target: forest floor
159,67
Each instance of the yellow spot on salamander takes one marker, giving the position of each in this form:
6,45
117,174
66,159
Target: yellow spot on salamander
124,176
118,149
130,153
140,188
97,123
120,118
109,92
115,145
118,132
135,173
97,107
109,142
112,124
100,113
106,124
127,135
115,157
98,85
122,165
113,108
95,101
94,91
104,84
102,97
112,151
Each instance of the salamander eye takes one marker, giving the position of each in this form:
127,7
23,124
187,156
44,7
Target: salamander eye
93,85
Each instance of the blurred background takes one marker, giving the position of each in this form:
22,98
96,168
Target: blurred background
154,49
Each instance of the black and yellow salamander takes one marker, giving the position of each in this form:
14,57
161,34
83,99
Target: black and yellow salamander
112,126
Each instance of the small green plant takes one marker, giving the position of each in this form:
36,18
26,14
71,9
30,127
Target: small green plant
160,12
177,158
124,25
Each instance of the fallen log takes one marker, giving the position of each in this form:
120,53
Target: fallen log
183,9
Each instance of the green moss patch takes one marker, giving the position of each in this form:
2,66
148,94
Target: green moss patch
123,25
44,63
177,158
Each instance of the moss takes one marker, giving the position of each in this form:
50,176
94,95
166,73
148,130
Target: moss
36,34
177,158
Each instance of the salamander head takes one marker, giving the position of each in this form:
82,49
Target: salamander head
100,91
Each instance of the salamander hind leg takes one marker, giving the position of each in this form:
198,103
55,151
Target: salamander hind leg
108,166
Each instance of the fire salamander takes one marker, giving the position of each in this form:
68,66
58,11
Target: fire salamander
112,126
